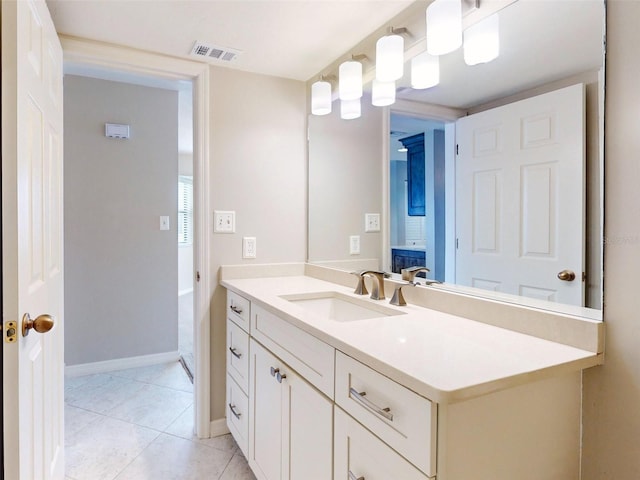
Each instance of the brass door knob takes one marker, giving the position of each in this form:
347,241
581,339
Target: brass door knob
567,275
42,324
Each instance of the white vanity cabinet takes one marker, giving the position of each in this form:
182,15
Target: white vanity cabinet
237,404
301,409
291,423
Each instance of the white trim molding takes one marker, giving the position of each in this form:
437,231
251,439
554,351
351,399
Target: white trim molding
111,57
120,364
219,427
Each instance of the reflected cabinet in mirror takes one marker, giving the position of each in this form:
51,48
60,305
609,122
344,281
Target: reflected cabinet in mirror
492,179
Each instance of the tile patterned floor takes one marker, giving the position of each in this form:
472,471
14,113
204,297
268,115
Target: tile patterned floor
137,424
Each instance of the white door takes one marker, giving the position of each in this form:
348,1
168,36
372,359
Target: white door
519,197
32,241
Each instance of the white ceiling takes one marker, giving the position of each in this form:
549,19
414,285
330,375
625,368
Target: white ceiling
285,38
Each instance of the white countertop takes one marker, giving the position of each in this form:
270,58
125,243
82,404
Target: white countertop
443,357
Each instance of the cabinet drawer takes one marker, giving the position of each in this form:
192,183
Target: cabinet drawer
313,359
238,309
238,355
358,453
403,419
238,414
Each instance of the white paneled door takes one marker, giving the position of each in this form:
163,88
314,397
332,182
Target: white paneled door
519,197
32,243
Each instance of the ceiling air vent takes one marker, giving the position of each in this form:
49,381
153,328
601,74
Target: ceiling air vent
209,51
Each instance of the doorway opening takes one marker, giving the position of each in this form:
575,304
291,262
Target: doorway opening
102,57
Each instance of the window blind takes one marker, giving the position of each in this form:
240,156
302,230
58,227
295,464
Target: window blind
185,210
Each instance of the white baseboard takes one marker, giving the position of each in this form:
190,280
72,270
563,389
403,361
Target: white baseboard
120,364
185,291
219,427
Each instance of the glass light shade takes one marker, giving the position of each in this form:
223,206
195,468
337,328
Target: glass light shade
389,58
444,26
321,98
350,109
383,93
425,71
350,81
482,41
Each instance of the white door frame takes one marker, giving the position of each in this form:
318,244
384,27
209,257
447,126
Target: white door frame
96,54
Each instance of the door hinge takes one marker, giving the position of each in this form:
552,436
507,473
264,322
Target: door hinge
456,244
197,276
457,149
11,332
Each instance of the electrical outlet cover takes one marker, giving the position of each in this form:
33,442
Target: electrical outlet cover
371,222
249,247
354,245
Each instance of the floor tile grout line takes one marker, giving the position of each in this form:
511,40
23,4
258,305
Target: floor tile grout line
136,457
226,466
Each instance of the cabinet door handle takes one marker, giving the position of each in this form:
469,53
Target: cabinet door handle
280,377
233,410
238,310
274,370
235,354
353,477
359,397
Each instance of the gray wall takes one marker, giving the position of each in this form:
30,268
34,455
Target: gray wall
345,182
259,170
612,391
120,269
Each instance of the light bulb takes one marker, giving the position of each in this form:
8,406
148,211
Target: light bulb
383,93
350,109
444,26
350,81
321,98
389,58
482,41
425,71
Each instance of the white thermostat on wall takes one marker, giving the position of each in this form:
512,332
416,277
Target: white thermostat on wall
115,130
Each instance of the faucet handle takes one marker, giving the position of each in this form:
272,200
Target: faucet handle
361,288
409,274
398,298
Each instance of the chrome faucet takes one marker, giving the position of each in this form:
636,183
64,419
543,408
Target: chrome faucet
377,290
409,274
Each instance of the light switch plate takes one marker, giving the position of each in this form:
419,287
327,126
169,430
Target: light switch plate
164,222
371,222
224,221
354,245
249,245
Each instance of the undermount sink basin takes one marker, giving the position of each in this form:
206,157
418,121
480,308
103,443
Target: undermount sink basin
339,307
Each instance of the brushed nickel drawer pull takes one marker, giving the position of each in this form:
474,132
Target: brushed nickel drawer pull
233,410
237,310
359,396
353,477
235,354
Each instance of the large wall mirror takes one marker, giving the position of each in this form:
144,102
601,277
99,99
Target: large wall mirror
492,179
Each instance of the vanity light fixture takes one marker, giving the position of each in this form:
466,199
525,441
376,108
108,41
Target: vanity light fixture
383,93
321,97
390,56
482,41
425,71
444,26
350,79
350,109
403,149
